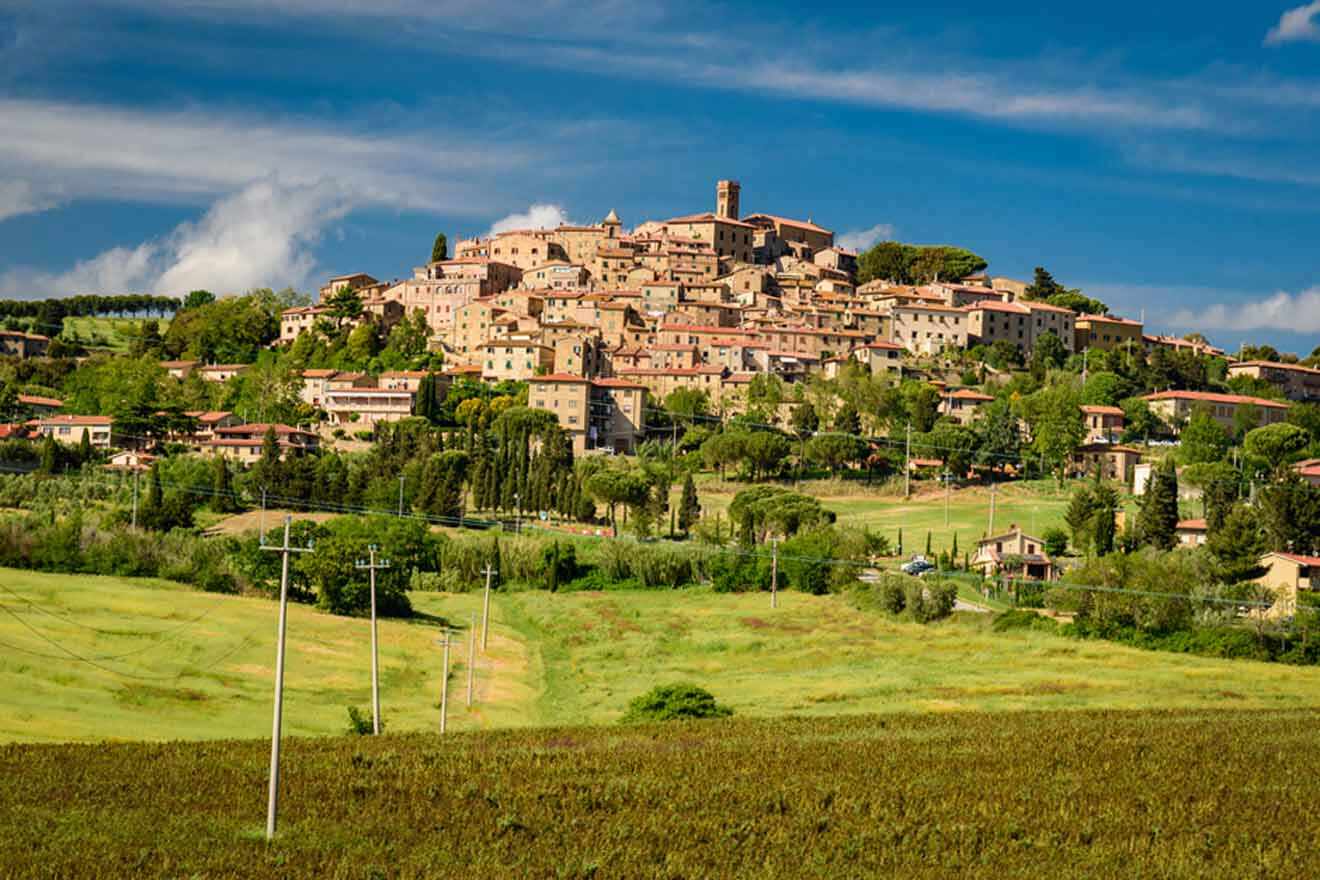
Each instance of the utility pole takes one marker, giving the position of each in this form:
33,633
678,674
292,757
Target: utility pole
472,656
1085,353
136,474
774,572
993,486
373,566
907,465
948,488
485,611
272,803
444,686
401,478
263,513
517,514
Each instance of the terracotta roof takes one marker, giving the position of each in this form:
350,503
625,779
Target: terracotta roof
1211,397
1313,561
1191,525
1091,409
319,374
788,221
1274,365
261,428
174,365
708,217
882,344
75,420
968,394
1044,307
617,383
1112,319
997,305
219,367
34,400
560,377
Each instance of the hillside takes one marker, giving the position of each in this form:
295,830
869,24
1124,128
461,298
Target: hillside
171,663
1097,795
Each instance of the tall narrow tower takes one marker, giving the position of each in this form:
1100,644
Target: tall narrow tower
726,199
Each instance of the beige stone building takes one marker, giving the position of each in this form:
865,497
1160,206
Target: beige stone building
880,355
243,443
354,281
1115,461
929,329
364,408
221,372
961,404
15,343
1176,407
1295,381
516,359
1104,424
1105,332
802,238
1286,575
294,322
557,276
526,249
1013,554
606,414
71,429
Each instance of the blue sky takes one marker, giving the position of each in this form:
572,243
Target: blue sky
1161,156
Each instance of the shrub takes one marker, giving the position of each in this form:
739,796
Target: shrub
674,702
359,722
1023,619
893,595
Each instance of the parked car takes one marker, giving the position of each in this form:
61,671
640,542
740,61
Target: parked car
918,566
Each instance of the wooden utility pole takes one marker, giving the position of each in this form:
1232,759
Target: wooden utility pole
485,611
472,657
948,489
774,573
401,479
272,803
992,510
136,474
444,685
907,465
373,566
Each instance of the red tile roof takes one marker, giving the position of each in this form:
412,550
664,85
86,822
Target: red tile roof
1211,397
1091,409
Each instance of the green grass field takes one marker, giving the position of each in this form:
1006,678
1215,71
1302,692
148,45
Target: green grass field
1029,795
106,333
1034,505
171,663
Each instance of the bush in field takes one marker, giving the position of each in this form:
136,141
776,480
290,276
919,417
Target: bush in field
674,702
359,722
893,595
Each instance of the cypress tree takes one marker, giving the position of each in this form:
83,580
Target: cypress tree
900,541
222,490
953,554
1157,521
928,543
689,507
85,448
49,455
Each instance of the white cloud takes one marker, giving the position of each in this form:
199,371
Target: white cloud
1296,25
259,237
80,150
539,216
1284,312
861,239
19,197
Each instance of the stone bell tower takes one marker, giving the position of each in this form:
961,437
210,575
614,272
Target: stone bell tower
726,199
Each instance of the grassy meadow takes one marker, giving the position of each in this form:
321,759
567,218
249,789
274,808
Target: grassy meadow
1027,795
167,662
111,334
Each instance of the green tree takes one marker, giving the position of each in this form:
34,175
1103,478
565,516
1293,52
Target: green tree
198,298
1203,439
222,487
1139,420
614,486
1276,445
1236,546
834,451
1157,521
345,304
886,261
804,420
1103,519
1105,389
1047,353
1057,428
689,508
1289,510
998,437
440,249
50,455
1081,509
921,405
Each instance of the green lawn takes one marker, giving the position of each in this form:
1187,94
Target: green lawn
200,666
104,332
